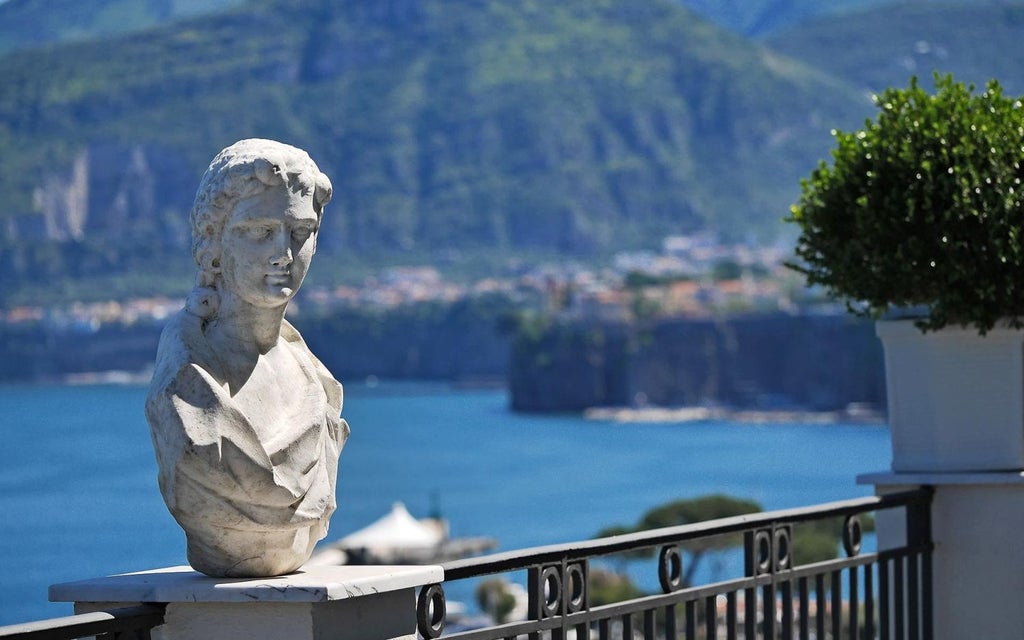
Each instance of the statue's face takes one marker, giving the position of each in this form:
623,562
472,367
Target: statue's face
267,246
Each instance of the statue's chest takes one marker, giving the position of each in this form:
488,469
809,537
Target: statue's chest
283,405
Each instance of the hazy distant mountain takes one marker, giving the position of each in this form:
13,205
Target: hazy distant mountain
32,23
975,41
36,22
761,17
451,129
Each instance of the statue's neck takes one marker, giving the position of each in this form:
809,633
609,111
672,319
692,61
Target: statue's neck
243,329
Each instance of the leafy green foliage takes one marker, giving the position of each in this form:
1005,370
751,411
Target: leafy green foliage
813,541
688,511
609,587
820,540
726,270
494,597
922,209
710,507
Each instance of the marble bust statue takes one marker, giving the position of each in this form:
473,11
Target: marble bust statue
246,422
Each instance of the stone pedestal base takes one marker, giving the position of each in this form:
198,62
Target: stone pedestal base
317,602
977,521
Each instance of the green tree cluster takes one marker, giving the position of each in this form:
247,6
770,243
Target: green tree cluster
495,598
813,541
688,511
922,209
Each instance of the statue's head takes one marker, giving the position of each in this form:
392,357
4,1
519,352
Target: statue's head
254,224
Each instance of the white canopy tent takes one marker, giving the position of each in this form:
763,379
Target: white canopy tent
398,538
396,530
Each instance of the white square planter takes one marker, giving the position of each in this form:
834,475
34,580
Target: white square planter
955,399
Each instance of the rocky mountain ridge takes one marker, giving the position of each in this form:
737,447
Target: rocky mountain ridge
451,128
454,132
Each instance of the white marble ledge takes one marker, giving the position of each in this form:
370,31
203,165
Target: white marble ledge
905,478
308,584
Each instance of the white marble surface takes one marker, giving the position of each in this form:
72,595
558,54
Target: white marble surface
246,421
889,478
183,584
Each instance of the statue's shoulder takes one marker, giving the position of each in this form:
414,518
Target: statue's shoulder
171,333
291,334
182,347
333,388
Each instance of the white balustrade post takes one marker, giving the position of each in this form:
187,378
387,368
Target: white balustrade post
976,525
315,603
956,419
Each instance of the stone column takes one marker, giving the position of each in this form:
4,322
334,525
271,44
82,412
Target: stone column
978,563
317,602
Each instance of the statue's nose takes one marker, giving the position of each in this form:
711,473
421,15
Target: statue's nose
283,256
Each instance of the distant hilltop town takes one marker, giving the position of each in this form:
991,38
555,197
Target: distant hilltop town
699,323
692,276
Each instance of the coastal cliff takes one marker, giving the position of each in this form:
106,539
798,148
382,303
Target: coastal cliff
818,363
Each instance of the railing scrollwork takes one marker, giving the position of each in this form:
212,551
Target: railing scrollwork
771,595
557,589
853,535
670,568
431,611
867,593
769,551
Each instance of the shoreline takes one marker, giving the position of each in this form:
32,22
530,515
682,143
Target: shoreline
682,415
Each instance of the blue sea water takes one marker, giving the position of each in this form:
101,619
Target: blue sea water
79,499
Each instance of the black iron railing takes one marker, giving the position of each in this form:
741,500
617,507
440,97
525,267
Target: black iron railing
882,594
132,623
878,594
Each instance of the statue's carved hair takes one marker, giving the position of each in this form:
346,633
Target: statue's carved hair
244,169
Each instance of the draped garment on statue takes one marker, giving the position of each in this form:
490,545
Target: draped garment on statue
249,507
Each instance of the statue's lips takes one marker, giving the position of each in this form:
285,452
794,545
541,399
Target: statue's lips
278,279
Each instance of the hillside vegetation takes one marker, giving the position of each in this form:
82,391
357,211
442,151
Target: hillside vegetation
450,129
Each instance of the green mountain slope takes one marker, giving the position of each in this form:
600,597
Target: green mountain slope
974,41
32,23
450,129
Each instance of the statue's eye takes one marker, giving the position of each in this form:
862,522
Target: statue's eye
259,232
301,234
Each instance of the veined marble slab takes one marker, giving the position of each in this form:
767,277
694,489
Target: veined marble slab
183,584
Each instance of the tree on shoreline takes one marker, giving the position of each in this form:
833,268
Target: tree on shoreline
812,542
689,511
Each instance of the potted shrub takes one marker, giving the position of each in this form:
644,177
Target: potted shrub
920,214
